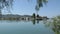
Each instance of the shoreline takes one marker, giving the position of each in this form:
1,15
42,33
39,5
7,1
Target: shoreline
21,17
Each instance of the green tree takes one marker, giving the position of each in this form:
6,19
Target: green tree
33,15
5,4
40,4
54,23
8,4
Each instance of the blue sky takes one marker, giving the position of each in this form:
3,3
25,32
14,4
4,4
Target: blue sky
24,7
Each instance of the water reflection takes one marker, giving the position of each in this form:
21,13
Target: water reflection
38,21
54,26
23,27
35,21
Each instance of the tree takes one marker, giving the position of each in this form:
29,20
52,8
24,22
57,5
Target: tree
37,15
40,4
8,4
54,24
33,15
5,4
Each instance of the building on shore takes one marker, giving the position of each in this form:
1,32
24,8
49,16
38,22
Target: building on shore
20,17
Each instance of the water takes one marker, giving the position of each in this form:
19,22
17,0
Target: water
24,27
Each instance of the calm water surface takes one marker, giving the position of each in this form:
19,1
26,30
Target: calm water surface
24,27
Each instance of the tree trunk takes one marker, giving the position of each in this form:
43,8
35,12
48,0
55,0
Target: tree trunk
0,13
36,14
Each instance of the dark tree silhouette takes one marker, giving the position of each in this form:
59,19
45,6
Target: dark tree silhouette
5,4
40,4
9,3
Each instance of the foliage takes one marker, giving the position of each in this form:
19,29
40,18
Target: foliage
8,4
40,4
54,23
33,15
5,4
37,15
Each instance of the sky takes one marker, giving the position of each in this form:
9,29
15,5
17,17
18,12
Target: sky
25,7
